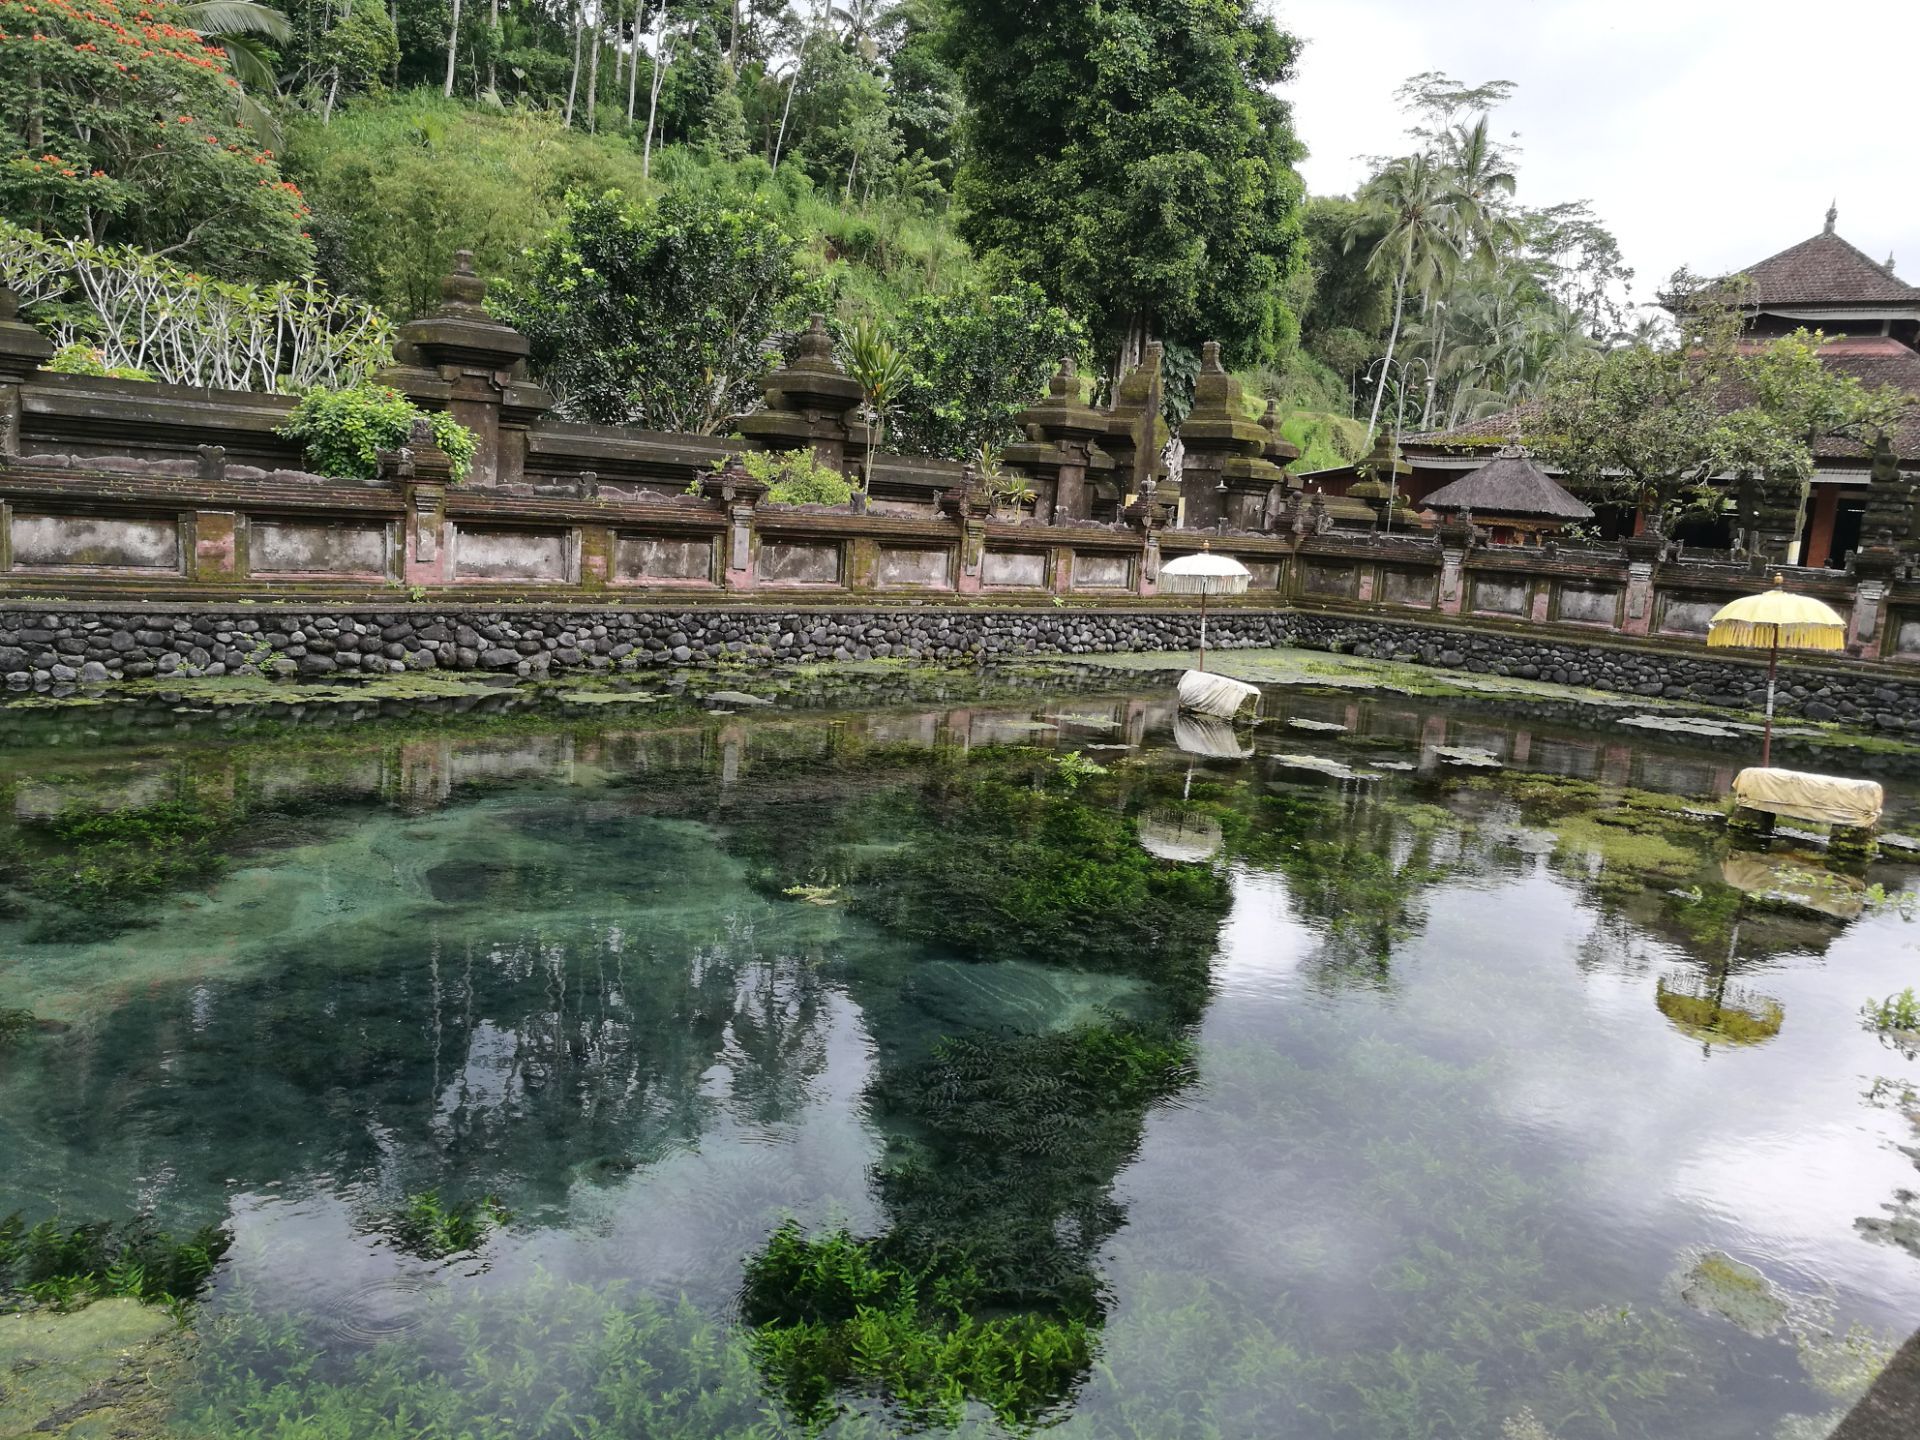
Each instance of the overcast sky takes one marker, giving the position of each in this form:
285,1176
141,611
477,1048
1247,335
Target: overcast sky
1704,132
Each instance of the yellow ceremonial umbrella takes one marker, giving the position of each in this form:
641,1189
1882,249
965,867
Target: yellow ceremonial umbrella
1768,621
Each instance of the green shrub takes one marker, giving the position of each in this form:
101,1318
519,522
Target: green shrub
793,477
344,431
79,358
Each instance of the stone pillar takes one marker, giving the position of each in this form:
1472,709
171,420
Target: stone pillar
1136,435
1888,522
23,350
1381,473
422,472
1456,539
1644,553
968,504
738,494
1873,570
462,360
596,557
219,543
1782,516
809,405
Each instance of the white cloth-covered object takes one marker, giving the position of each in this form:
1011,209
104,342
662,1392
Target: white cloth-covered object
1824,799
1214,694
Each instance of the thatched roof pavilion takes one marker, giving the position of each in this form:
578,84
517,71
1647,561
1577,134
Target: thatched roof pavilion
1512,496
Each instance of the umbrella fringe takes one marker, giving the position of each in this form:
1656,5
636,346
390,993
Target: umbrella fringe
1761,635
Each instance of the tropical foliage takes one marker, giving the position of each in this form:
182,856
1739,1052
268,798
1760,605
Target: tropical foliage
1437,297
1666,423
792,477
658,314
122,126
1134,160
977,358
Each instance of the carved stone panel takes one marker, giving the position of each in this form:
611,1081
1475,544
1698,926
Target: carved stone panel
1026,568
799,562
500,554
89,542
305,547
913,567
1092,571
1499,595
638,558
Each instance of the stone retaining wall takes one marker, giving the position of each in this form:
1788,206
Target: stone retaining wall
1806,688
40,648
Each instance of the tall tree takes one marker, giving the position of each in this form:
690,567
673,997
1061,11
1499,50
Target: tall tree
1133,158
1420,205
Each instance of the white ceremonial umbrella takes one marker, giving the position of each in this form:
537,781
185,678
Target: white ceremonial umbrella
1204,574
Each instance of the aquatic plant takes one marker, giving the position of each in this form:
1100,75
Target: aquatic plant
65,1267
1073,767
1895,1012
613,1361
14,1025
1008,1146
835,1313
427,1226
998,869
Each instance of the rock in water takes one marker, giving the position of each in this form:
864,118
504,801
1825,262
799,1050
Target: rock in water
1718,1284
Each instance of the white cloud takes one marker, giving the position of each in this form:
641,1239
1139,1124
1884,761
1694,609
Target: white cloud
1704,132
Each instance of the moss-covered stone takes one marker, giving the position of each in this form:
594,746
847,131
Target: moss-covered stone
89,1374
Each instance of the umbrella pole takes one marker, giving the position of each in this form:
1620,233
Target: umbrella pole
1203,630
1766,735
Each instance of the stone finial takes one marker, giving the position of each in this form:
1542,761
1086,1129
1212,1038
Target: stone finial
1210,358
1066,380
9,305
1885,463
461,285
1833,215
460,333
815,342
1889,265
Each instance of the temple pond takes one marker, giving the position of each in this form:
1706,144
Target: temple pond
946,1055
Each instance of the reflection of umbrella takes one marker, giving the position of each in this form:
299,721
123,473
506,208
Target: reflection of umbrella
1203,575
1713,1015
1180,835
1770,620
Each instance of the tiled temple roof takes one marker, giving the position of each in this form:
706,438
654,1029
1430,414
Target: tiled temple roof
1826,270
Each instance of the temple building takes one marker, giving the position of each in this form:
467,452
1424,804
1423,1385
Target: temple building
1871,318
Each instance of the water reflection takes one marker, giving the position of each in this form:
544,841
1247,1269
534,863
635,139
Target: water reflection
1311,1100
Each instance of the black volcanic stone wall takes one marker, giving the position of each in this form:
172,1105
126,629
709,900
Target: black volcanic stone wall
1881,701
40,648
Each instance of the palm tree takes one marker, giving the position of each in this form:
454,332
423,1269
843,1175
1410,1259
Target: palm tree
242,28
1415,195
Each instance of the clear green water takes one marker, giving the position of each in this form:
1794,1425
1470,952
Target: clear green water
1374,1117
